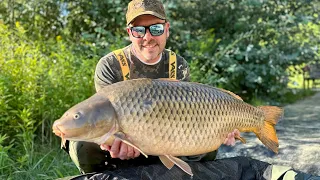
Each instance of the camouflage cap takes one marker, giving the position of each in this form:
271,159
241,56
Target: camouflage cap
140,7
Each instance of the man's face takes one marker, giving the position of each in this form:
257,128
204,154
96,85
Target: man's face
149,48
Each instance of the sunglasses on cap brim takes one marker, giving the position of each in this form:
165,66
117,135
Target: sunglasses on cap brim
154,29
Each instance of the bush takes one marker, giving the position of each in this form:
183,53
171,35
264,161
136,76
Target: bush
39,81
245,46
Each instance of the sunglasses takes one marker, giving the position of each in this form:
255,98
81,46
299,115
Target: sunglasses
154,29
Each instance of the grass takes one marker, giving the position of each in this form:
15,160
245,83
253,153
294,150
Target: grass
40,164
38,82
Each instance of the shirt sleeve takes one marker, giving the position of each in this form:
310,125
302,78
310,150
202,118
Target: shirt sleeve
183,69
107,71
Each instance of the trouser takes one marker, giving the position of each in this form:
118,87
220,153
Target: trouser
88,157
229,168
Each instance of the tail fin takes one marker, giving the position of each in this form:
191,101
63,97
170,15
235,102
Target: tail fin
267,133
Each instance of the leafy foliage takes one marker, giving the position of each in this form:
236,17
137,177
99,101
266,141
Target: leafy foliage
38,83
40,18
246,46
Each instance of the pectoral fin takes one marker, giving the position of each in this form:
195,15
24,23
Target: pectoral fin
103,139
181,164
123,138
241,139
166,161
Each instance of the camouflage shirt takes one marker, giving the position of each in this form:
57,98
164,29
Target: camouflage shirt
108,70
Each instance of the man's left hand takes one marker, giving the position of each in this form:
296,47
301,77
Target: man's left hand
230,140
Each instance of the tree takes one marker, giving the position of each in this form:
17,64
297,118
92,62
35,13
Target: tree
40,18
245,46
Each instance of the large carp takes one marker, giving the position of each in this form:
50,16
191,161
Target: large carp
166,118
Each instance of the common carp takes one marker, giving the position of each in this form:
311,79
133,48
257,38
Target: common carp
167,118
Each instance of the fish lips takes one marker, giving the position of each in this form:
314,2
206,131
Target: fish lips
60,128
89,131
56,130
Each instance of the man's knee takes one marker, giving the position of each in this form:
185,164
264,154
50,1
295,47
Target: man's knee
88,157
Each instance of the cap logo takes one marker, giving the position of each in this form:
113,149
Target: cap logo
145,3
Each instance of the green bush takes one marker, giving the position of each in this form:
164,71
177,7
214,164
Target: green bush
245,46
39,81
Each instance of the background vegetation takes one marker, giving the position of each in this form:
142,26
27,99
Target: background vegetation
49,48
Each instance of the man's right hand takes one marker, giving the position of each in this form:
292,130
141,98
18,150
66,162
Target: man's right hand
121,150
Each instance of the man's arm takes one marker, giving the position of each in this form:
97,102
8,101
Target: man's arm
107,72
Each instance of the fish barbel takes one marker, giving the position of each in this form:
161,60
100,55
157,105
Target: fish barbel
167,118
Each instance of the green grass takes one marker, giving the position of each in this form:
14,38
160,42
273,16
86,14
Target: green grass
46,162
39,81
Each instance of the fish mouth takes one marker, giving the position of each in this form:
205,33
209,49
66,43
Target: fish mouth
59,133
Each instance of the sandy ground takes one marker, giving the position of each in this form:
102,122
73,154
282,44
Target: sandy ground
299,139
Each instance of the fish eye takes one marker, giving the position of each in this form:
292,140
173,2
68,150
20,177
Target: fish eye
76,116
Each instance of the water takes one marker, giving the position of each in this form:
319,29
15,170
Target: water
299,139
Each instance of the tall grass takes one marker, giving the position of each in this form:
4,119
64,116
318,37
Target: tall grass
38,82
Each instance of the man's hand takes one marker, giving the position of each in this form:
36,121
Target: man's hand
121,150
230,140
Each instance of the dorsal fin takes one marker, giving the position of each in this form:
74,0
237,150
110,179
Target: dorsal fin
231,93
169,79
226,91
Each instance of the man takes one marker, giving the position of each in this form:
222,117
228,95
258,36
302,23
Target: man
146,57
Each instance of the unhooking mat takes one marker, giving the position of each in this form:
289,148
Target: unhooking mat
242,168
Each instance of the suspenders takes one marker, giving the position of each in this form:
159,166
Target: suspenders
123,63
172,65
125,67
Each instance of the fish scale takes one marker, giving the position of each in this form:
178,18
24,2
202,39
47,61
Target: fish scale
200,120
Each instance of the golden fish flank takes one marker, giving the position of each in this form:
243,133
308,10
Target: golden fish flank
168,118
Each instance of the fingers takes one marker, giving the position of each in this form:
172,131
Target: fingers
121,150
230,140
227,140
130,152
115,148
105,147
123,154
136,153
236,132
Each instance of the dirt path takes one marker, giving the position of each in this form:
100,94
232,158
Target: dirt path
299,139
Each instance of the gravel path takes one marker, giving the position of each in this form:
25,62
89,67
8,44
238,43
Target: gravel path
299,139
